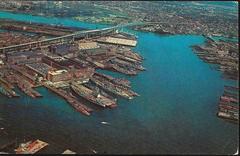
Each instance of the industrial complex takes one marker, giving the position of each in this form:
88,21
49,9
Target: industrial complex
67,65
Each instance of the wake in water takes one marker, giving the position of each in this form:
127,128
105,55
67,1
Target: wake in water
105,123
236,153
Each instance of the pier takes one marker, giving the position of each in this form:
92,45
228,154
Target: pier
65,65
70,99
228,107
67,38
93,96
7,89
113,87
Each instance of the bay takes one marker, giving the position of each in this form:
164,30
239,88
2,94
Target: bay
175,113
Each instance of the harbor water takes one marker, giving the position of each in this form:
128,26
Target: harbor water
175,113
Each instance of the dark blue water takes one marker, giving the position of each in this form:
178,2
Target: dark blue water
176,112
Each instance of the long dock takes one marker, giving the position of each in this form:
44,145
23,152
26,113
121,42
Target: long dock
6,83
71,100
119,81
228,107
61,64
92,96
7,89
113,88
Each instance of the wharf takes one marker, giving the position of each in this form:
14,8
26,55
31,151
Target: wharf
231,88
116,67
64,64
26,87
129,55
123,62
4,92
118,41
24,74
230,94
223,54
71,100
6,83
7,89
128,58
228,107
118,81
35,28
93,97
113,88
31,147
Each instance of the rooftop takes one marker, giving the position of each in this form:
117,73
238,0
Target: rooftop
57,72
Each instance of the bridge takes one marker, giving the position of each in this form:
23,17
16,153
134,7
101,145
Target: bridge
71,37
59,40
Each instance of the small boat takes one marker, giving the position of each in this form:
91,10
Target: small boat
94,151
236,153
68,152
105,123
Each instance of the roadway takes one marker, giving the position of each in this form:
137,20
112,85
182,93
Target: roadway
71,37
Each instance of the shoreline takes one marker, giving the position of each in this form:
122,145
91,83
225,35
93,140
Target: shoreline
170,35
111,24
